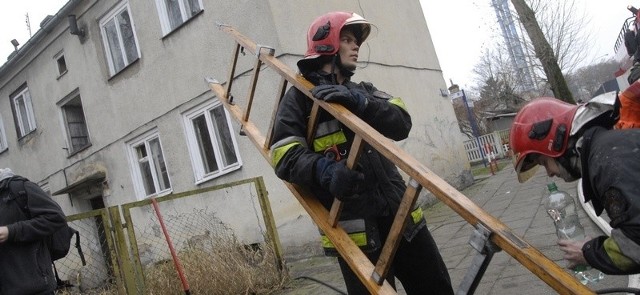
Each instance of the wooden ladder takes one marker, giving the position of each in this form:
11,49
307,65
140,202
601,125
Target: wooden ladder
491,234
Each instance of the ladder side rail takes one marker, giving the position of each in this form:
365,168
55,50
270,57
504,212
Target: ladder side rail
528,256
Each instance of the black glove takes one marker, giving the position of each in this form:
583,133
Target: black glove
342,183
354,101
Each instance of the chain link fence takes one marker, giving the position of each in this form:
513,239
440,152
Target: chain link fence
217,240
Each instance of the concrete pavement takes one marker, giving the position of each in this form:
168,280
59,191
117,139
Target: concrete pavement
519,206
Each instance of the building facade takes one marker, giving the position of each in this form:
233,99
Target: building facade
107,103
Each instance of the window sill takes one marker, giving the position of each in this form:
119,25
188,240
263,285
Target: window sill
123,69
61,74
73,153
216,175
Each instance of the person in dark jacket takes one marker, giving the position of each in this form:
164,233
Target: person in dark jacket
372,191
572,145
25,263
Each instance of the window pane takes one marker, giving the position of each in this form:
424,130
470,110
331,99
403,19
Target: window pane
126,30
205,145
225,142
114,46
159,166
173,13
145,170
76,125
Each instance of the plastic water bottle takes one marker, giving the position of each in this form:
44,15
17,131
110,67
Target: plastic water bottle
562,210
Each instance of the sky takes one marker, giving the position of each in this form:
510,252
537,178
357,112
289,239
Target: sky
460,29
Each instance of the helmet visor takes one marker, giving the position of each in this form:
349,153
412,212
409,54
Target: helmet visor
527,167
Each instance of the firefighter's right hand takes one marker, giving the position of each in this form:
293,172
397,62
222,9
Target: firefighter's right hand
343,183
355,101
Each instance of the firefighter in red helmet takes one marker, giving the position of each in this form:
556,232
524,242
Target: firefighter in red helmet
372,191
579,141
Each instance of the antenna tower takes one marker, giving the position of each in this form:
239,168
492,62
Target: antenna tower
514,44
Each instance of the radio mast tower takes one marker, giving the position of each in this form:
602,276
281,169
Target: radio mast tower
514,45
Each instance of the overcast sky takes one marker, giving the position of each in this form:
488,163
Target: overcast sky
460,29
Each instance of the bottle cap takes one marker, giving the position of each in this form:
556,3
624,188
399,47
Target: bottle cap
552,186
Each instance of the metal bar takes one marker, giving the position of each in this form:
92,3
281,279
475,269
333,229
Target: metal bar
486,248
252,89
232,70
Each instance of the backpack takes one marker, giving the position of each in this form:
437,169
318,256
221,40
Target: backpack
59,242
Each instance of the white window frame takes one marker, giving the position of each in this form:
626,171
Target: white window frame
57,58
138,181
30,117
4,145
194,148
105,41
163,13
65,123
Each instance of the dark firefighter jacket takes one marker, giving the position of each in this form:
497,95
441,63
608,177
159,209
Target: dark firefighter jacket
294,159
611,181
25,262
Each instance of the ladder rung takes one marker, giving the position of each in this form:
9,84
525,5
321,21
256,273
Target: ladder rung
395,234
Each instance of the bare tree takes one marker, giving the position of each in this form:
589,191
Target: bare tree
584,82
543,51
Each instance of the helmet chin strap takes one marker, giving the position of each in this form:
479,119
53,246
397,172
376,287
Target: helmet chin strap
343,71
571,162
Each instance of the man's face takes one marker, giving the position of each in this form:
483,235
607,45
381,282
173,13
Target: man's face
554,168
348,50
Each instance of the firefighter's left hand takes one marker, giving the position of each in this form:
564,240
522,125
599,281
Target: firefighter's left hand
4,234
573,252
352,100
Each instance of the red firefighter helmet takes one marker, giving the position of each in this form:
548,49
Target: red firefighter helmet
323,37
541,127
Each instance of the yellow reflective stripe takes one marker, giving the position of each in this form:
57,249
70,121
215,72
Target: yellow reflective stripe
278,153
398,101
322,143
360,238
416,215
617,257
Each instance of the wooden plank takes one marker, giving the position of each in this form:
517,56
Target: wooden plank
502,236
354,154
395,234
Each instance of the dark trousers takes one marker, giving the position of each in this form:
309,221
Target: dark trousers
417,264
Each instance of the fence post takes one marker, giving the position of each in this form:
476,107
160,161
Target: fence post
124,260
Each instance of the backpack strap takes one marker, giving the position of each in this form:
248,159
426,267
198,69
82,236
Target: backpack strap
20,196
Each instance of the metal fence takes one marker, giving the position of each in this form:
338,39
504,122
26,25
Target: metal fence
489,146
175,237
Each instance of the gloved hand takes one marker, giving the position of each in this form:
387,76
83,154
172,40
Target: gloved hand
354,101
342,183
